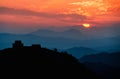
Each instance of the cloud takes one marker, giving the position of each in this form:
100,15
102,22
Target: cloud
13,11
24,12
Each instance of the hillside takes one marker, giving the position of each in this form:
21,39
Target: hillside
42,61
111,59
105,65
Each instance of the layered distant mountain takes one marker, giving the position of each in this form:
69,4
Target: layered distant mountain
64,39
79,33
111,59
70,33
51,42
105,65
81,51
98,38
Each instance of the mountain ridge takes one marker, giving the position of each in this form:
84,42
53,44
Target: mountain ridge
81,51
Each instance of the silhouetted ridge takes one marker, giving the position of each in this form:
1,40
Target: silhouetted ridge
105,65
42,61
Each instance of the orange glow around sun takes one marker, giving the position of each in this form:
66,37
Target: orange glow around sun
86,25
60,12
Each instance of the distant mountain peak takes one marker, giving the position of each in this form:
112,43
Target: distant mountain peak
81,51
72,30
43,30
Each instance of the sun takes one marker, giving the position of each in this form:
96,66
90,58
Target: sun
86,25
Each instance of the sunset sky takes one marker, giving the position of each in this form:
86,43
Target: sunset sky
32,14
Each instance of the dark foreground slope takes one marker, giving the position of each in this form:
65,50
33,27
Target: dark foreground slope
42,63
106,65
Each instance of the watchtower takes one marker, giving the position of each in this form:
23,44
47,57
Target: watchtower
18,44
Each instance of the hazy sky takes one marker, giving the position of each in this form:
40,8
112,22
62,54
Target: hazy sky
19,15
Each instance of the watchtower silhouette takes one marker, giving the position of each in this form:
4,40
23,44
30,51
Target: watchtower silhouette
18,44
